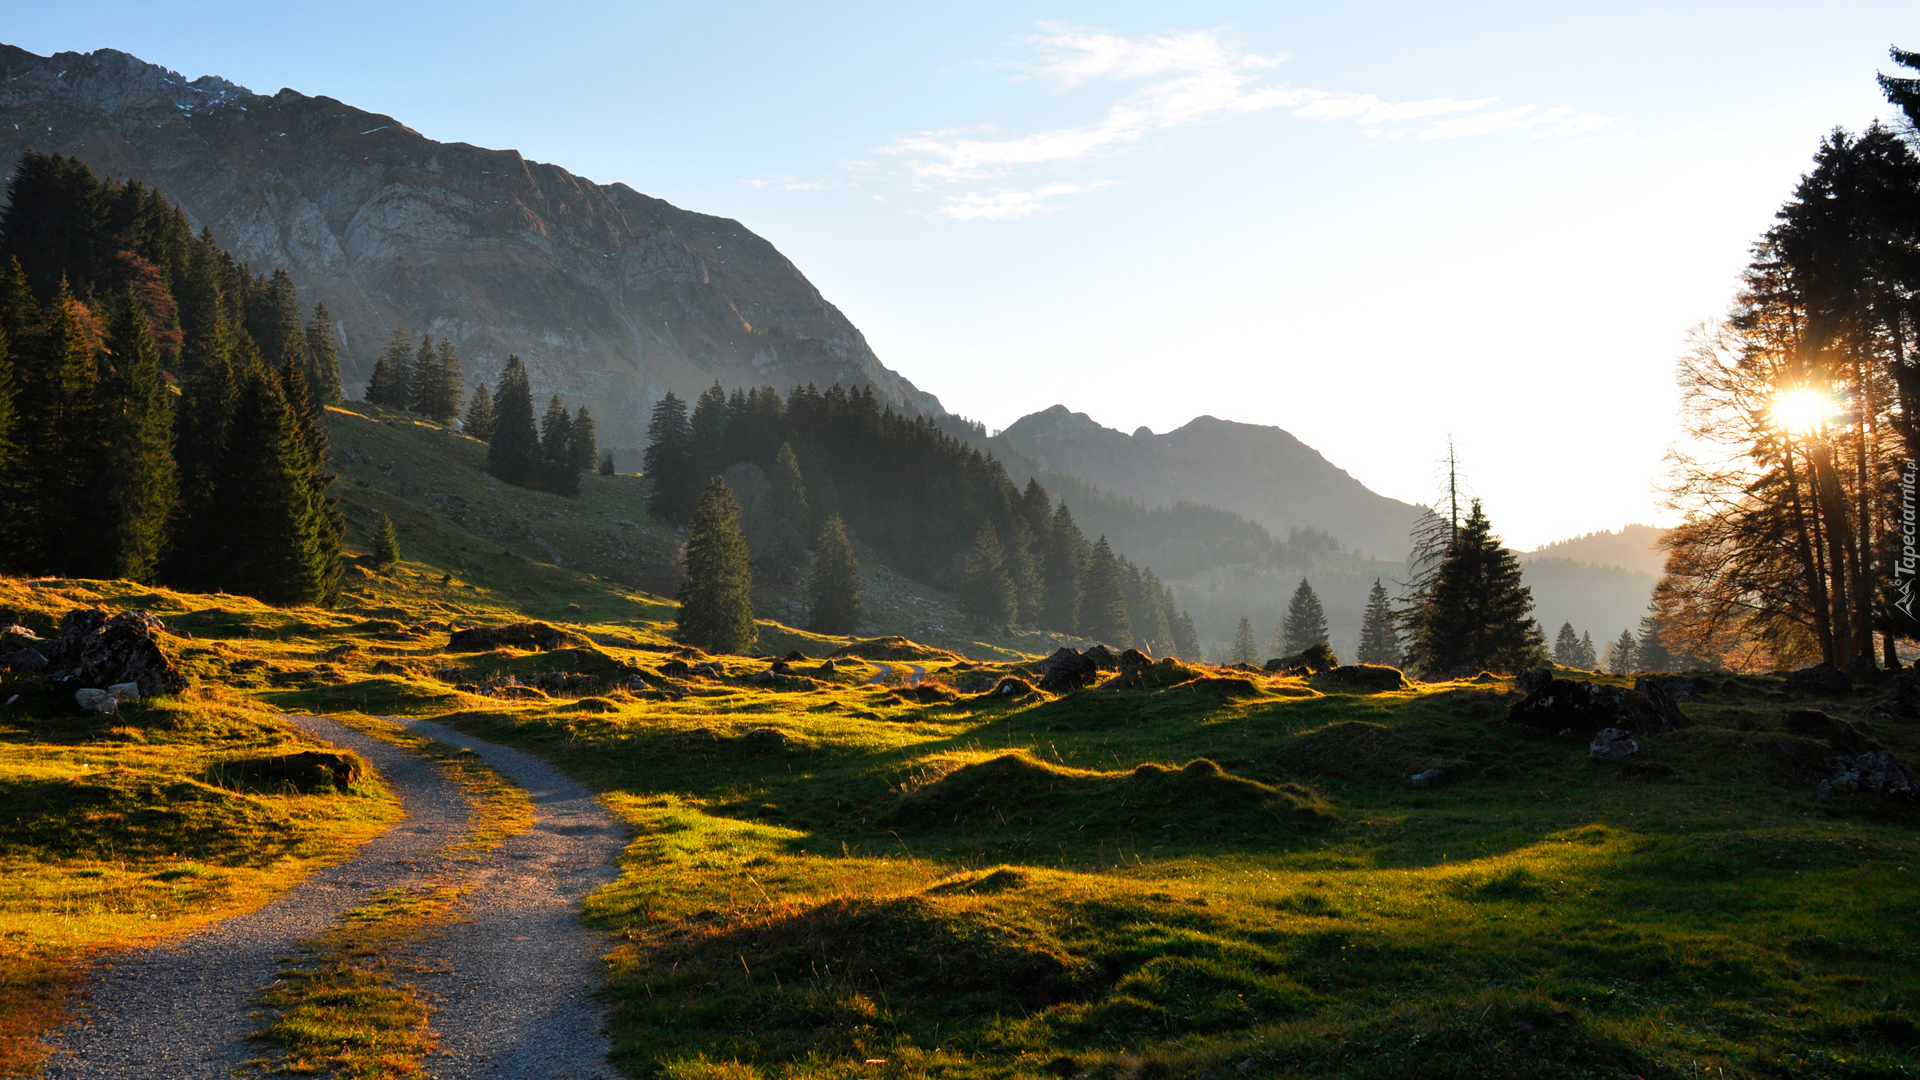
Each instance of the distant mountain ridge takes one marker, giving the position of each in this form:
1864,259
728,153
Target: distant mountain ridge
612,297
1634,547
1260,472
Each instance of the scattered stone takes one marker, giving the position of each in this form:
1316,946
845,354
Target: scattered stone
637,685
1583,708
976,682
796,657
1103,658
1665,700
1903,700
766,737
1427,778
1012,688
828,667
1842,736
1613,744
1364,678
1820,679
780,680
119,649
24,660
676,669
778,667
94,699
14,636
708,670
306,771
388,667
1678,687
1134,660
447,674
1287,665
521,634
1535,679
1874,770
1068,669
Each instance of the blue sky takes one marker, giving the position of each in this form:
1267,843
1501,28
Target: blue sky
1370,224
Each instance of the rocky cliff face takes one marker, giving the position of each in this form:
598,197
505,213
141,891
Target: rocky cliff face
613,298
1260,472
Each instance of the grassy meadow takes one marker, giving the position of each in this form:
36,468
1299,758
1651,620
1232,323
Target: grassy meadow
1212,874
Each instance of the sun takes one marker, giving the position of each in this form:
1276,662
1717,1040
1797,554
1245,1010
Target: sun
1802,408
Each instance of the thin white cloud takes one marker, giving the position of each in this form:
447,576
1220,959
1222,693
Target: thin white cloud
785,183
1008,205
1184,79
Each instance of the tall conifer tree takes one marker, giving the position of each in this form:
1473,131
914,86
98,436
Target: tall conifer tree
422,377
323,358
716,608
329,523
513,454
1103,607
1306,620
12,525
1623,654
271,546
986,592
1379,639
1244,649
582,445
60,436
666,463
1061,566
132,495
479,419
835,607
560,474
1477,613
1186,637
391,384
1566,646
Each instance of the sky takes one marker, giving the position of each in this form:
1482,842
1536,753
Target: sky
1378,226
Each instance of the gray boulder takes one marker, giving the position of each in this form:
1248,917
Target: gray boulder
1820,679
1533,679
1875,770
1585,708
1612,744
1068,669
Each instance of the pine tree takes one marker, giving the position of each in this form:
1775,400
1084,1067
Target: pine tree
835,606
330,525
1023,568
210,392
1477,613
1154,629
986,592
273,321
271,545
1566,646
422,377
1306,620
1244,649
582,449
1379,640
1186,636
560,474
437,381
666,463
1061,566
1103,608
132,495
789,518
1622,654
386,542
716,610
12,525
61,438
323,358
606,463
391,384
1585,658
1654,654
513,453
478,422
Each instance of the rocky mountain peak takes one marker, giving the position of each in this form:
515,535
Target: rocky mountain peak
612,297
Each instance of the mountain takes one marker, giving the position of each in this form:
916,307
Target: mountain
612,297
1259,472
1634,547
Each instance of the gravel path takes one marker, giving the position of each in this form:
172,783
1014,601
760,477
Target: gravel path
915,673
513,1003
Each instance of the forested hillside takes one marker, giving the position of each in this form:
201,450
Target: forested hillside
159,401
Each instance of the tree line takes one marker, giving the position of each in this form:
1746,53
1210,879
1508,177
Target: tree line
159,402
1796,544
936,509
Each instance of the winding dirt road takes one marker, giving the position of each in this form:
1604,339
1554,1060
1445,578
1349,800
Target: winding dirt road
914,674
514,978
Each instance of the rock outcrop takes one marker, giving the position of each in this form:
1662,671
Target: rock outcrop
612,297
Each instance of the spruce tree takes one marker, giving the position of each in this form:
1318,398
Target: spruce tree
666,463
422,377
606,463
330,525
788,517
386,542
210,392
392,381
1061,566
1306,620
479,419
1623,654
1654,654
1023,569
835,599
271,543
1585,658
273,321
1103,607
1379,640
716,609
582,449
986,592
437,382
1186,636
1566,646
61,439
1244,649
1477,614
513,453
560,473
131,498
323,358
13,525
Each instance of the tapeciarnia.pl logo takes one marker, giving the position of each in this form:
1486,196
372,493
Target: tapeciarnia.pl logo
1903,567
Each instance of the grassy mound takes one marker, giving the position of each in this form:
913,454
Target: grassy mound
1199,801
1359,679
893,648
1355,749
1158,675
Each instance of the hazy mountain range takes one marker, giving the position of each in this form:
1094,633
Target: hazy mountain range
614,298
